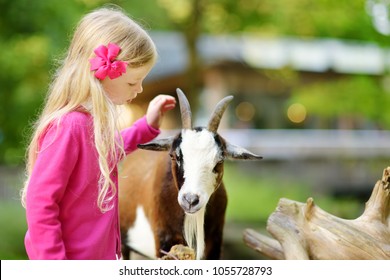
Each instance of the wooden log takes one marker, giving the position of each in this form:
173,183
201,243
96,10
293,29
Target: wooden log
305,231
263,244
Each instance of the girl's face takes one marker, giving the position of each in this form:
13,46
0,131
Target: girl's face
126,87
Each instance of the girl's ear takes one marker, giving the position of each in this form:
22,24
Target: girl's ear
163,144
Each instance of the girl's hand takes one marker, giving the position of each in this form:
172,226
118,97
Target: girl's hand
157,107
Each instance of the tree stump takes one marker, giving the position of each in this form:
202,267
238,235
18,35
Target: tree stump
305,231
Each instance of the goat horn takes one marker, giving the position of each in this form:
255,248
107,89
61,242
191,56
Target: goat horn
184,109
216,117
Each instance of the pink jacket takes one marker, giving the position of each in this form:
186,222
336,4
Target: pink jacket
64,221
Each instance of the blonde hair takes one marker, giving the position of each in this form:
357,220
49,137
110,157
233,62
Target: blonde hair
74,85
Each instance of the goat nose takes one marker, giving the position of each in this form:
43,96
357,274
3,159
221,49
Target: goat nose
192,199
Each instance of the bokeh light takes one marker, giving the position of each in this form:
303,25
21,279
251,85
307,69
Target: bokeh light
296,113
245,111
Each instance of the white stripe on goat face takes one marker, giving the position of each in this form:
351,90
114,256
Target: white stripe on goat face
200,155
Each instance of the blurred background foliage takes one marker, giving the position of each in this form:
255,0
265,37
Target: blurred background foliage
34,35
355,98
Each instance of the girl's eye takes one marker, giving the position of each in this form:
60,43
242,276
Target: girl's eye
131,84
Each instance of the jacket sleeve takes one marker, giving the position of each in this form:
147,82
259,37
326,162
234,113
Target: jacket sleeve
139,133
47,184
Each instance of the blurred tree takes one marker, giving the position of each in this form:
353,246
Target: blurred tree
31,33
353,98
348,19
186,16
300,18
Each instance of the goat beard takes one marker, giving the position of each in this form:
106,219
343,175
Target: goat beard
194,232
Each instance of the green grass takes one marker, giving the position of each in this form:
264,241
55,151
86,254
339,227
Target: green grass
252,198
13,228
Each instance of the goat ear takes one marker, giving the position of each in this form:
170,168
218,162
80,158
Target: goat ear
239,153
163,144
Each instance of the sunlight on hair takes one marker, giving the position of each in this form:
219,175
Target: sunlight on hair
128,114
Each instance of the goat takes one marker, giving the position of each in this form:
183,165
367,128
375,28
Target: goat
177,196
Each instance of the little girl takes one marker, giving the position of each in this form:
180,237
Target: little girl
71,194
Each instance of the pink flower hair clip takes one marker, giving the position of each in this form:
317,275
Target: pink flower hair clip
105,63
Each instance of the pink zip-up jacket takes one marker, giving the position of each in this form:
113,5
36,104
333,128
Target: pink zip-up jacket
64,221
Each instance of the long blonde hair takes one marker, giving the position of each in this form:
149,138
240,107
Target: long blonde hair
74,85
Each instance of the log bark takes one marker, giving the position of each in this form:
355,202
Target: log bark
305,231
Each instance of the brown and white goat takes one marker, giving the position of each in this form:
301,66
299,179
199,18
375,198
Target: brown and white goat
177,196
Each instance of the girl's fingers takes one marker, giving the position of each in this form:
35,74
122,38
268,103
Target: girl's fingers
164,102
167,107
157,107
